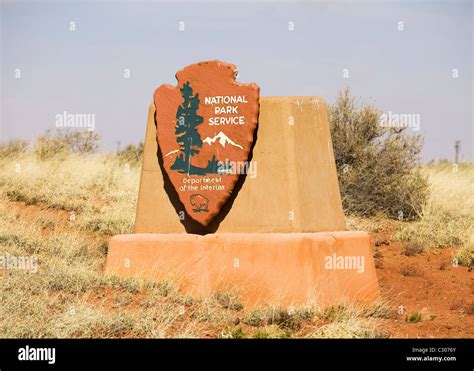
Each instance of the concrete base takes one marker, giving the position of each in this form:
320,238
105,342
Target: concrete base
288,269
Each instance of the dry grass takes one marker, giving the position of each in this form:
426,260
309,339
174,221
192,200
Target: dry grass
81,200
448,218
70,297
99,191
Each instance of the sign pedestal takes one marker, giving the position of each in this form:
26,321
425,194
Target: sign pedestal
279,239
289,269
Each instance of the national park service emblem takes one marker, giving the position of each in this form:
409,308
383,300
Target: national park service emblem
205,131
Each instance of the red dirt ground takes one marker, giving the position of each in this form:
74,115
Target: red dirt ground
427,283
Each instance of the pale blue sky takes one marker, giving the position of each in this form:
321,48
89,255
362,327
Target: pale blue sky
81,71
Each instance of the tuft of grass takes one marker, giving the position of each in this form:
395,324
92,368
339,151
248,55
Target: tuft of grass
411,271
465,255
413,248
336,313
255,318
271,332
283,319
470,309
122,300
290,320
130,285
380,309
233,333
350,328
228,300
413,318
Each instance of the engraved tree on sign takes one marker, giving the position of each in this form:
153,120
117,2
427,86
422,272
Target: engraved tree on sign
188,137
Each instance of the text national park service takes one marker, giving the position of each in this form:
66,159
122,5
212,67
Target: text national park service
225,104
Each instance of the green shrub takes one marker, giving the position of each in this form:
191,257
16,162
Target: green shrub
377,166
413,318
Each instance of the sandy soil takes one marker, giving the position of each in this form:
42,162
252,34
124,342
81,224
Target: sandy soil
429,284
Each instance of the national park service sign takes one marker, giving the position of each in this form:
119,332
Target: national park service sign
205,131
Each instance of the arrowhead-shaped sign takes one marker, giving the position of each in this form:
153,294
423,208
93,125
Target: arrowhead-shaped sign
205,130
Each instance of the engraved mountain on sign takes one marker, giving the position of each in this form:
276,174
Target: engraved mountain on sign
205,130
222,139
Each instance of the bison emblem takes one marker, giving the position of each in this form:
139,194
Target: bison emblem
200,203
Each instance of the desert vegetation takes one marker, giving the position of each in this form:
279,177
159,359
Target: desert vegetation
378,166
61,200
62,206
381,177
